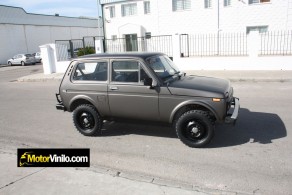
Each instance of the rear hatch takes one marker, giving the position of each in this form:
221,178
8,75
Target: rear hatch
29,58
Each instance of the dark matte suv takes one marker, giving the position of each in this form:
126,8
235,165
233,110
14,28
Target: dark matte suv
145,86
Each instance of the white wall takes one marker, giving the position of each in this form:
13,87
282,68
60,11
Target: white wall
162,20
253,61
22,32
235,63
16,39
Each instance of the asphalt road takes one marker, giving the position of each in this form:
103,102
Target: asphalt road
252,157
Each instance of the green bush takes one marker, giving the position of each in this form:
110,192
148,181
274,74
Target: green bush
85,51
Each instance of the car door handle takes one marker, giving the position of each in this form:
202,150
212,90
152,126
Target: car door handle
114,88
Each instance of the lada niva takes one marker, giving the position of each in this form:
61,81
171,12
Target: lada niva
145,86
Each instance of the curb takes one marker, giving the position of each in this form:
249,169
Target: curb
59,79
233,77
38,79
160,181
144,179
259,80
41,78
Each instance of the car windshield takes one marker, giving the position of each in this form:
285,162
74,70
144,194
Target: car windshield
162,66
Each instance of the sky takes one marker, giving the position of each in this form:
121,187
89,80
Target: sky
71,8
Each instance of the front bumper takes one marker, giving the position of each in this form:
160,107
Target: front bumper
60,105
231,118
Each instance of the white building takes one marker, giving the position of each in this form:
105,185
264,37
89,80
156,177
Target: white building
22,32
204,34
166,17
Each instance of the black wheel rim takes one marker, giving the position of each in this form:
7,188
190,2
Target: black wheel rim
86,120
194,130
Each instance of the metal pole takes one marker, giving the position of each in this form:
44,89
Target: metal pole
218,26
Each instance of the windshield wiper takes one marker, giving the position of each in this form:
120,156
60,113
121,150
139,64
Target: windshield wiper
171,76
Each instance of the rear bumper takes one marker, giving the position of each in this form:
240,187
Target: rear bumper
30,61
60,105
231,118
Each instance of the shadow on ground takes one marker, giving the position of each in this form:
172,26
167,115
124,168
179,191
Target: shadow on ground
254,127
127,128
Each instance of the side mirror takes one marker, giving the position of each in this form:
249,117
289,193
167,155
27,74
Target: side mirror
148,82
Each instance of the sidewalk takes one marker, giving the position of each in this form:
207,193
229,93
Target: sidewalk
83,181
232,75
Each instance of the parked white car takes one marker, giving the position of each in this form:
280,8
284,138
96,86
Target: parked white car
38,57
22,59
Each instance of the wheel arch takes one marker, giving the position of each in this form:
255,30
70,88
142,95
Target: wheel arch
190,105
78,100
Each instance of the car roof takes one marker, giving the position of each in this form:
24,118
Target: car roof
142,55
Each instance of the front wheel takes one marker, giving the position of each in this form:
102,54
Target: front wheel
9,63
195,128
87,120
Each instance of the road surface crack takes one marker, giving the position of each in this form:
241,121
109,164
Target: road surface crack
21,178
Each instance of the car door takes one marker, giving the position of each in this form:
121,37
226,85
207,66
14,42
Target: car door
18,59
14,59
128,96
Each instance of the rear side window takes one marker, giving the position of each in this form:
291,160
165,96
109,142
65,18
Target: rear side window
91,71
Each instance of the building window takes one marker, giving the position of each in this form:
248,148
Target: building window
129,9
112,11
260,29
258,1
146,7
178,5
227,3
208,3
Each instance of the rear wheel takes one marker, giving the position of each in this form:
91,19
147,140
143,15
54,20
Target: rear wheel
9,63
87,120
195,128
22,63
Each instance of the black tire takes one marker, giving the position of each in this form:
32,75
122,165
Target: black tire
22,63
87,120
9,63
195,128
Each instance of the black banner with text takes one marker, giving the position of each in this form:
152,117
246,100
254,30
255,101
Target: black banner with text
55,157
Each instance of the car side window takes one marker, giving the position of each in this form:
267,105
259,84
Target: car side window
91,71
128,71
